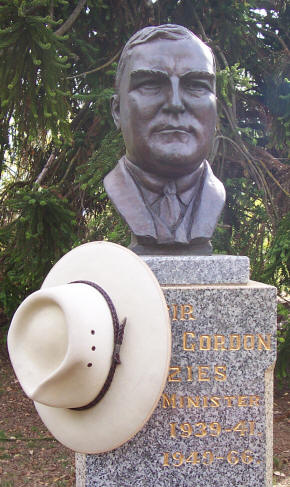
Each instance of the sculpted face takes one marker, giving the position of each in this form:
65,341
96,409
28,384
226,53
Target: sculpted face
166,107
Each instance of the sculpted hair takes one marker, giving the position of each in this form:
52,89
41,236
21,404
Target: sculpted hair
165,31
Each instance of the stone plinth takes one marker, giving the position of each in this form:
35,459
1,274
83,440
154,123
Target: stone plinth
200,269
213,424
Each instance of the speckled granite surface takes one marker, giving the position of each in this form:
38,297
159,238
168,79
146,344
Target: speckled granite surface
212,427
199,269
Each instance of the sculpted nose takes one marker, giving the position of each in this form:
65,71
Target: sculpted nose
174,103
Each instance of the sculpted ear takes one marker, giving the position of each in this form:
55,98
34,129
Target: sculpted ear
115,109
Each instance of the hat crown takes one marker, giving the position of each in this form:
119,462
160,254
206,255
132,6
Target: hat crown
61,343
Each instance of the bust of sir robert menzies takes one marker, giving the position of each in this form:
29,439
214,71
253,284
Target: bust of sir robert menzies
165,106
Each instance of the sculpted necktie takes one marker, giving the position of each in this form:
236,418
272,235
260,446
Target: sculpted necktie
169,205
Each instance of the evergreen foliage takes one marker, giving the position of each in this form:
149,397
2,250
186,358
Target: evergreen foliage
38,229
33,62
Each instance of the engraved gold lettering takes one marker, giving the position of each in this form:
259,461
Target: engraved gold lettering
202,371
173,372
264,342
178,457
165,459
172,430
220,373
175,310
205,401
215,401
252,427
247,457
235,342
215,429
229,400
193,458
207,457
185,343
187,312
204,342
178,401
189,374
193,402
240,428
249,342
242,401
232,457
202,431
219,342
168,402
181,402
186,429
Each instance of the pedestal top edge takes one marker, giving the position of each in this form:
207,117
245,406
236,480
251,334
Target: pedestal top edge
199,269
195,258
248,285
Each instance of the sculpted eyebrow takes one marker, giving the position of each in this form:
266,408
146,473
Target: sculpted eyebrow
199,74
143,73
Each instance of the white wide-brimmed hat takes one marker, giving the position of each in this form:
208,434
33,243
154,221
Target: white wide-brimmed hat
93,354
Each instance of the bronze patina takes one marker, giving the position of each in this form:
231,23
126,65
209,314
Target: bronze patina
165,106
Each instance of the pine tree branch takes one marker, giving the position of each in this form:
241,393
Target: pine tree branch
71,20
201,28
47,166
73,160
99,68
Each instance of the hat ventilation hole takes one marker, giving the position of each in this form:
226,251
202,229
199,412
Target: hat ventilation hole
93,332
89,364
93,348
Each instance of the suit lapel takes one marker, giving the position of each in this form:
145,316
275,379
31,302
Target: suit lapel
128,200
202,213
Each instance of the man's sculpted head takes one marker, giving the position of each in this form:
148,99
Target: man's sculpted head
165,103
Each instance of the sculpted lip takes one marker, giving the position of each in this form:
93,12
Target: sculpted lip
173,128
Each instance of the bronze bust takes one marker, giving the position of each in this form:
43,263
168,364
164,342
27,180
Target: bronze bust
165,106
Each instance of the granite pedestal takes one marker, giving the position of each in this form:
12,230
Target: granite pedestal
213,424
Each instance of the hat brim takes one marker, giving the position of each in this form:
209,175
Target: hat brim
145,353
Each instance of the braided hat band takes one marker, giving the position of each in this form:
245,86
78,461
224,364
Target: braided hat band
118,339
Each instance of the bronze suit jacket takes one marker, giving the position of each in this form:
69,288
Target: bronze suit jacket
199,220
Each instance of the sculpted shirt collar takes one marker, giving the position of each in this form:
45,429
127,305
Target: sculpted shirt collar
186,186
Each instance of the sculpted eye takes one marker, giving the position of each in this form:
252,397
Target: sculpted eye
149,86
196,86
